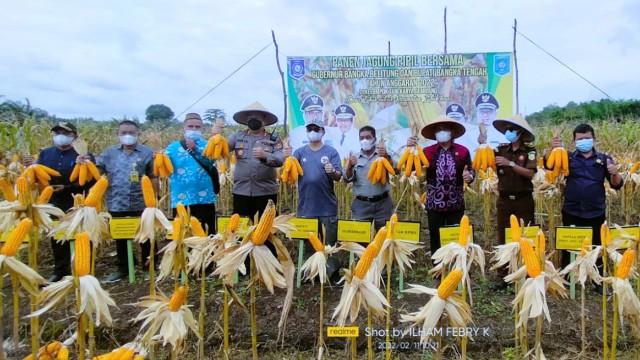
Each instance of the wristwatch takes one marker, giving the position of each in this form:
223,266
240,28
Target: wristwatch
512,164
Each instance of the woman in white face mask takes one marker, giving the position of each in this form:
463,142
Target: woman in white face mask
449,169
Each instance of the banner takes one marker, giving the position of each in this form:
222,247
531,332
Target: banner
398,95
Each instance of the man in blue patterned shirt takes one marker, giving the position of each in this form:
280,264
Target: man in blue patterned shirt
190,182
125,164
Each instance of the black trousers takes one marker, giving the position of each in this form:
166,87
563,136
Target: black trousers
438,219
522,207
593,223
206,214
250,205
121,245
61,257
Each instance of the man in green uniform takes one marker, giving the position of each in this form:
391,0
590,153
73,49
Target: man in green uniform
516,165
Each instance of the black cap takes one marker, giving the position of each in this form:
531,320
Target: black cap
487,101
455,111
312,102
344,111
65,125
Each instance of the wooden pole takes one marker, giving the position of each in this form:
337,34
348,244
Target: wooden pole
515,62
445,29
388,48
284,90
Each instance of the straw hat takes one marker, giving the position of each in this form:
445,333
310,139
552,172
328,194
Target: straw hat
241,116
517,120
429,131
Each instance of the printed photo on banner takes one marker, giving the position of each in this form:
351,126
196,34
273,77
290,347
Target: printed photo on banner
398,95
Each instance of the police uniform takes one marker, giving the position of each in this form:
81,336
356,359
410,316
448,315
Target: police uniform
255,180
456,112
515,191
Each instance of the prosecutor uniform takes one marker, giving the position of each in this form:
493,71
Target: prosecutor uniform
372,201
516,165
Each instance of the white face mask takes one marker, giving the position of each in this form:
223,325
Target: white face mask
443,136
367,144
193,134
128,139
314,136
62,140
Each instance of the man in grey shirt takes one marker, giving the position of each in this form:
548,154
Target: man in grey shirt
372,201
124,165
258,154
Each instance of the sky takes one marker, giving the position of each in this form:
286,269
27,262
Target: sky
112,58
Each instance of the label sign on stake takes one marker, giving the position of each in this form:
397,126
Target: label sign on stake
407,230
571,238
354,231
627,230
304,227
450,234
529,232
124,228
223,221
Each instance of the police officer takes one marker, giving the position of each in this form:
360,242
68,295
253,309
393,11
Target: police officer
516,162
372,201
258,154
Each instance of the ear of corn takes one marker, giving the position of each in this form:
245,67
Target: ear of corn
177,228
364,263
24,192
541,245
315,242
75,173
45,195
147,192
263,229
417,165
178,299
196,227
530,258
63,353
403,158
449,284
463,238
234,223
92,169
381,235
624,267
96,193
182,212
7,190
393,222
516,232
586,246
408,167
605,234
16,237
82,255
82,175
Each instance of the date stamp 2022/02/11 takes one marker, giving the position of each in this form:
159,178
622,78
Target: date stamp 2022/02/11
410,339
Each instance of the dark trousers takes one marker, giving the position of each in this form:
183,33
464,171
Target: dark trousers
121,245
522,207
593,223
61,257
438,219
250,205
206,214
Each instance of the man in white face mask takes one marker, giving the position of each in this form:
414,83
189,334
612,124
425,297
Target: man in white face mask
372,201
124,165
449,168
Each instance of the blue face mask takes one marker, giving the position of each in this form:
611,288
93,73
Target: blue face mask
511,135
584,145
193,134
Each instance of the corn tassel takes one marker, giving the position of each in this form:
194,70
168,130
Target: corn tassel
147,192
449,284
178,299
82,255
16,237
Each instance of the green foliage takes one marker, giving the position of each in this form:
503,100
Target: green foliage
586,112
211,115
159,113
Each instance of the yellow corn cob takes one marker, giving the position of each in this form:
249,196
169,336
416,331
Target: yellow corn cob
624,267
24,193
516,232
182,211
423,198
387,166
541,245
222,166
298,166
564,155
93,170
82,175
463,238
48,170
30,174
167,163
408,167
234,223
96,193
7,190
393,222
551,159
403,158
41,176
82,255
138,357
157,164
262,231
417,165
45,195
52,347
635,167
364,263
491,159
293,173
449,284
75,173
178,298
196,227
475,163
372,171
379,171
423,157
605,235
586,246
63,353
78,200
16,237
531,260
177,228
315,242
147,192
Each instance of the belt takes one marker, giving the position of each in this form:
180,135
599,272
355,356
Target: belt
376,198
515,196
